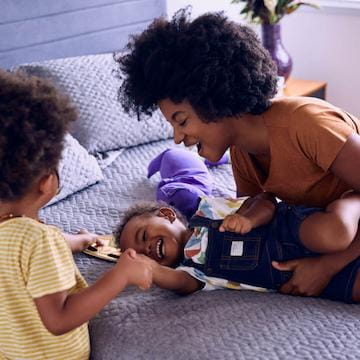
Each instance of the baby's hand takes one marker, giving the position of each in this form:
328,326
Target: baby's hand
137,268
236,223
82,240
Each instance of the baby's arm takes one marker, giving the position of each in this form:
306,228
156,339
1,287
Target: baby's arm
175,280
254,212
61,312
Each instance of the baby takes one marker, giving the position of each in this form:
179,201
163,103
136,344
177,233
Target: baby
42,292
241,251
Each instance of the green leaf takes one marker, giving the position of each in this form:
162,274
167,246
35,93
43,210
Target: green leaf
294,7
270,11
310,3
291,8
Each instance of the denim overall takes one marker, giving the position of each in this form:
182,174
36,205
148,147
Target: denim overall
247,258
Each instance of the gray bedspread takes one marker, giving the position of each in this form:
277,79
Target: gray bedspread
219,324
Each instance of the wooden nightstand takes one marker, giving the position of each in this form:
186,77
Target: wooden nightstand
299,87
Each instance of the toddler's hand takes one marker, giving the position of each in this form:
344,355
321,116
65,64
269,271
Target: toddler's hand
82,240
236,223
137,268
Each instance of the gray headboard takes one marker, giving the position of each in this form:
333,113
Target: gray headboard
33,30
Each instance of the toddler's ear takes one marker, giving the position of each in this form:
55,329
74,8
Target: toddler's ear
167,213
47,184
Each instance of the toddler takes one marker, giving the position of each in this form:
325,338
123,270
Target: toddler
45,302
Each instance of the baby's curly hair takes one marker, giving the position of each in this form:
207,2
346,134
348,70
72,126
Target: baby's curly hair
218,66
144,208
34,118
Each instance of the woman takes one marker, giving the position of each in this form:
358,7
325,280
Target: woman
215,84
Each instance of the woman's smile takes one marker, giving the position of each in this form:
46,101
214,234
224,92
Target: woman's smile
212,138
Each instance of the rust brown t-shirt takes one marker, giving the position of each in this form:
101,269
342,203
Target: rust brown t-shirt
306,135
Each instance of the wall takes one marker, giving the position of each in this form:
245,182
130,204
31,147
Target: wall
47,29
324,45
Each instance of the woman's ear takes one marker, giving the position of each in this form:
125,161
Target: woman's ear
167,213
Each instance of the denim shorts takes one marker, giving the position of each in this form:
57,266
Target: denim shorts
286,224
247,258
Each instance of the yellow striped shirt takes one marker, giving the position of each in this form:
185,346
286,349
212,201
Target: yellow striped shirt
35,260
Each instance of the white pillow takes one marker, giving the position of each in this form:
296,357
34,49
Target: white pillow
77,169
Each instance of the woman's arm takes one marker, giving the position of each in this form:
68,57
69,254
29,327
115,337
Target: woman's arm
346,164
262,205
312,275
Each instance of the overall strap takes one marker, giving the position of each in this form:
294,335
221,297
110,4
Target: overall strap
200,221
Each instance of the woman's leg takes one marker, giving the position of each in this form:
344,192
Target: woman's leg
334,229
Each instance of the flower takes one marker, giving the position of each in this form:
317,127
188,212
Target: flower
270,11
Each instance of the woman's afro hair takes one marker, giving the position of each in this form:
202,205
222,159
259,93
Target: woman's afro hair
218,66
34,118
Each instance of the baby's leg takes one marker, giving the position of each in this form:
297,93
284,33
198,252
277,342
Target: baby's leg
334,229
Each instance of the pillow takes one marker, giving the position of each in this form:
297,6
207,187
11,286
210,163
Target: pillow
104,159
77,169
91,83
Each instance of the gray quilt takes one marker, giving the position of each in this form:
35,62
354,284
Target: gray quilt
220,324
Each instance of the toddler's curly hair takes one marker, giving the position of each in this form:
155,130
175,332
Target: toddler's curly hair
218,66
34,118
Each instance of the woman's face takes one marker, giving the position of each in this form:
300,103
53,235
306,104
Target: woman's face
211,139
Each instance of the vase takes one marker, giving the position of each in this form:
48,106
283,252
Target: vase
271,39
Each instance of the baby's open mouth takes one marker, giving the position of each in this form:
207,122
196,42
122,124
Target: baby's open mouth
160,249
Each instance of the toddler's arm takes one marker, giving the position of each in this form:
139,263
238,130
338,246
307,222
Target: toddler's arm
254,212
61,312
81,240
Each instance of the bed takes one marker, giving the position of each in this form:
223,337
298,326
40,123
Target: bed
103,171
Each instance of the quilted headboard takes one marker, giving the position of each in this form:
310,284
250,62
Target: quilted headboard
49,29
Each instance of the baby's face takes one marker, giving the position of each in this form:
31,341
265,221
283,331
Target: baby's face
156,237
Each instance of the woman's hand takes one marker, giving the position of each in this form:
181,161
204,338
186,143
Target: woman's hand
310,276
